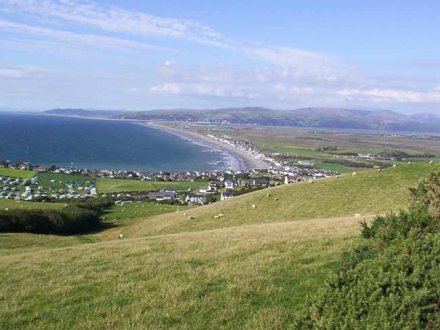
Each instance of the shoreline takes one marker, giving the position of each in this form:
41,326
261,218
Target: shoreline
247,161
241,160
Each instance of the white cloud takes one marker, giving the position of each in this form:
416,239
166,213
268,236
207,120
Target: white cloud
387,95
89,40
115,19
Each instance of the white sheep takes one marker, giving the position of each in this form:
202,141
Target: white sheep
121,236
254,206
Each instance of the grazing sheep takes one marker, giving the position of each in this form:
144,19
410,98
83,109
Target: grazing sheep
354,173
431,162
121,236
409,163
394,165
268,195
215,216
357,215
379,170
221,215
190,217
184,214
254,206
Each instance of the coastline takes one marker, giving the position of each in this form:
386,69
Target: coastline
241,160
246,161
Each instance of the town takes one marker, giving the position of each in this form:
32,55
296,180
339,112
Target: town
51,184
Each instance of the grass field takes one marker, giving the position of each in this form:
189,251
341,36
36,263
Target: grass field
252,277
14,173
11,204
139,210
60,180
335,167
250,269
120,185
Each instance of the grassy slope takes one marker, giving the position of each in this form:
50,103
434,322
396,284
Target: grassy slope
120,185
250,269
251,277
12,172
366,193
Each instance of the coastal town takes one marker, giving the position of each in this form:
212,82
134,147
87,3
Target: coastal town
51,184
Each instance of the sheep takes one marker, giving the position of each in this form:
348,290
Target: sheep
268,195
354,173
431,162
357,215
190,217
121,236
394,165
379,170
215,216
254,206
276,199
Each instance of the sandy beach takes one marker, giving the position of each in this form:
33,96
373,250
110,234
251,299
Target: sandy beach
246,161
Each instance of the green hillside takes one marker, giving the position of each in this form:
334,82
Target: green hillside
252,277
251,268
366,193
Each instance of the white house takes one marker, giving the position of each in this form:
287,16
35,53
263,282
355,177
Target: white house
195,199
230,184
225,195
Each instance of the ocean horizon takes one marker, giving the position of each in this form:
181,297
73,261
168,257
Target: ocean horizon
104,144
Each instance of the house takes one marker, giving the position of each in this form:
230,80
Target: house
226,195
195,199
260,182
230,184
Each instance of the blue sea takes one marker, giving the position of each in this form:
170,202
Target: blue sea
102,144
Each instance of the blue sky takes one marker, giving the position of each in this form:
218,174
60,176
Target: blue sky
208,54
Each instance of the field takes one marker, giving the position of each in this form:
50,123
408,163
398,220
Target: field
252,277
12,172
121,185
60,180
252,268
321,146
139,210
10,204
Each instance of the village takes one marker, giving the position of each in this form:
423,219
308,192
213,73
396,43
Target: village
60,183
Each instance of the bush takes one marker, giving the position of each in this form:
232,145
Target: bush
391,281
73,219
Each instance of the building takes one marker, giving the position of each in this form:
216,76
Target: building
195,199
226,195
231,184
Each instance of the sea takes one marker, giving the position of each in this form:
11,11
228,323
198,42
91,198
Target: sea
104,144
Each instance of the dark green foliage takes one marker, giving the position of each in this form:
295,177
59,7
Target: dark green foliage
428,194
73,219
390,281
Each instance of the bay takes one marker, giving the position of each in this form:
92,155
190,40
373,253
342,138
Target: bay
110,144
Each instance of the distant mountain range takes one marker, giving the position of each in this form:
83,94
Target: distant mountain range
332,118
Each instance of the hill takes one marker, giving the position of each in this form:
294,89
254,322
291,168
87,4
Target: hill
366,193
251,268
333,118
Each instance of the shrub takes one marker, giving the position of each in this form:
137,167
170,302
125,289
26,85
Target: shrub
73,219
392,279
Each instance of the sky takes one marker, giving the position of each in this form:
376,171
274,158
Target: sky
283,54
